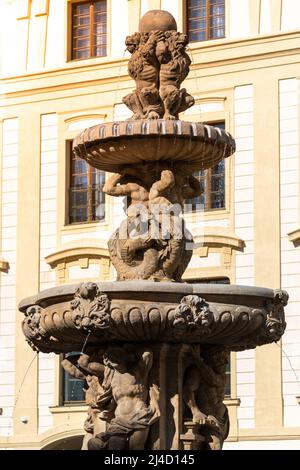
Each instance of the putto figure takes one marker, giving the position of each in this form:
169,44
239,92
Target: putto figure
158,64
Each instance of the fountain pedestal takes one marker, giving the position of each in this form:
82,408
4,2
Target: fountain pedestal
155,357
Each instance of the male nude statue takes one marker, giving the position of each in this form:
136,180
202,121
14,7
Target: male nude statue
129,385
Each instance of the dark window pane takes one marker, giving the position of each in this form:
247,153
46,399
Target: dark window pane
81,32
81,43
80,181
78,215
81,8
81,20
72,388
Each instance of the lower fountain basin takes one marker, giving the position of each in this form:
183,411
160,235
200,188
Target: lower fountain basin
112,145
236,317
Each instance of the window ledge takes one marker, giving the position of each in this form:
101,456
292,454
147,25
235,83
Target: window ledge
83,408
68,409
232,402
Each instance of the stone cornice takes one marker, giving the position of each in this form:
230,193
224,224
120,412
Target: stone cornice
4,265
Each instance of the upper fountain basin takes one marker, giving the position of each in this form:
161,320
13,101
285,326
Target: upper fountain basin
111,145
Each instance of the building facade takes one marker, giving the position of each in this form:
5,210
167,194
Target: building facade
64,68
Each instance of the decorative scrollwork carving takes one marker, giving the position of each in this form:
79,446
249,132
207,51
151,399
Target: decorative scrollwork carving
275,321
91,308
193,313
32,328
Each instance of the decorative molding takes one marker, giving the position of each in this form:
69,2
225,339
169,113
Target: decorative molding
218,237
294,237
80,117
80,253
193,314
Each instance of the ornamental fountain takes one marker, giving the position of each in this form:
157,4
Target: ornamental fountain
156,348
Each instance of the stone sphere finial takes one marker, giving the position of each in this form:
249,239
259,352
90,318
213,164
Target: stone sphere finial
157,20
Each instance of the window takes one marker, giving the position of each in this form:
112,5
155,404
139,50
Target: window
86,199
213,186
72,388
205,19
89,29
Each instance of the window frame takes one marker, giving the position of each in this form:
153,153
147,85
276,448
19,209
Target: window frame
89,204
62,375
186,19
69,36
